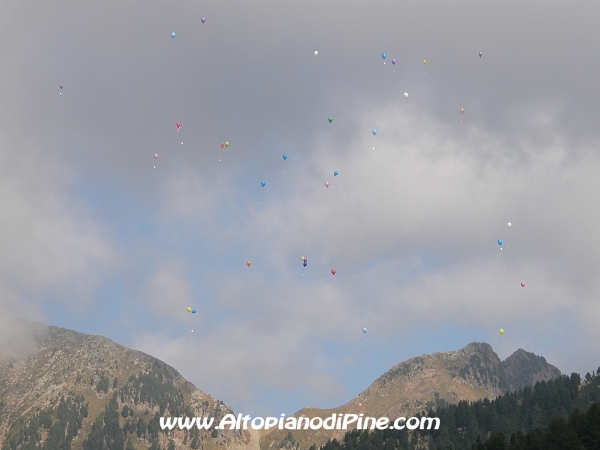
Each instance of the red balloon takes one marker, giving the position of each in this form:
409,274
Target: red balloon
332,271
178,126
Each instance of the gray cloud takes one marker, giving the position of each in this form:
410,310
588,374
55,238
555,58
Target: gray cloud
410,226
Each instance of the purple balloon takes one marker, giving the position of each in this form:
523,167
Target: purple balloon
393,61
61,86
156,156
327,184
203,20
480,54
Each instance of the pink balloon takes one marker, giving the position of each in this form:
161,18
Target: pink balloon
327,184
222,145
156,156
332,271
522,284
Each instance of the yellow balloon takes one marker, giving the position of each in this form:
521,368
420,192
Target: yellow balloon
226,144
189,309
302,258
424,61
501,331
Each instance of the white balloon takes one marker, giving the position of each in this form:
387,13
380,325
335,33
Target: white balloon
509,224
406,95
316,53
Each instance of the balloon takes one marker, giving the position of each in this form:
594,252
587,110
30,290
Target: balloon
406,95
330,119
156,156
305,263
248,263
61,86
332,271
188,309
509,224
393,61
262,183
173,35
284,156
316,53
522,284
462,110
222,144
335,174
480,54
383,55
374,132
364,331
302,258
203,20
178,126
193,311
226,144
424,61
327,184
499,241
501,331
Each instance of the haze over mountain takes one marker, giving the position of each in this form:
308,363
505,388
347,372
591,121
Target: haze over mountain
101,391
69,381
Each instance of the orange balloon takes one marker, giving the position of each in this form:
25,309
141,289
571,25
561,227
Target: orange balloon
462,110
248,263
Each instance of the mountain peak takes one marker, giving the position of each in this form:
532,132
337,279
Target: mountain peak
93,378
429,381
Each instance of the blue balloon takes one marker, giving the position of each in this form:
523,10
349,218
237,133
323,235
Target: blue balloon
374,132
284,157
364,330
193,311
262,183
383,55
335,174
173,35
304,263
499,241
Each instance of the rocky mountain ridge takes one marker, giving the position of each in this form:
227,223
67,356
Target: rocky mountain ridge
86,392
428,381
71,369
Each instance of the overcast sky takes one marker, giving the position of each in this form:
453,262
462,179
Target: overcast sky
99,237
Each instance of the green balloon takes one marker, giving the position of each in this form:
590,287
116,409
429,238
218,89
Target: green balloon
330,119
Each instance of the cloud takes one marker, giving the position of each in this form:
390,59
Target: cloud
410,226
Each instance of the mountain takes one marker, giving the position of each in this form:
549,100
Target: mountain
68,390
563,413
427,381
86,392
